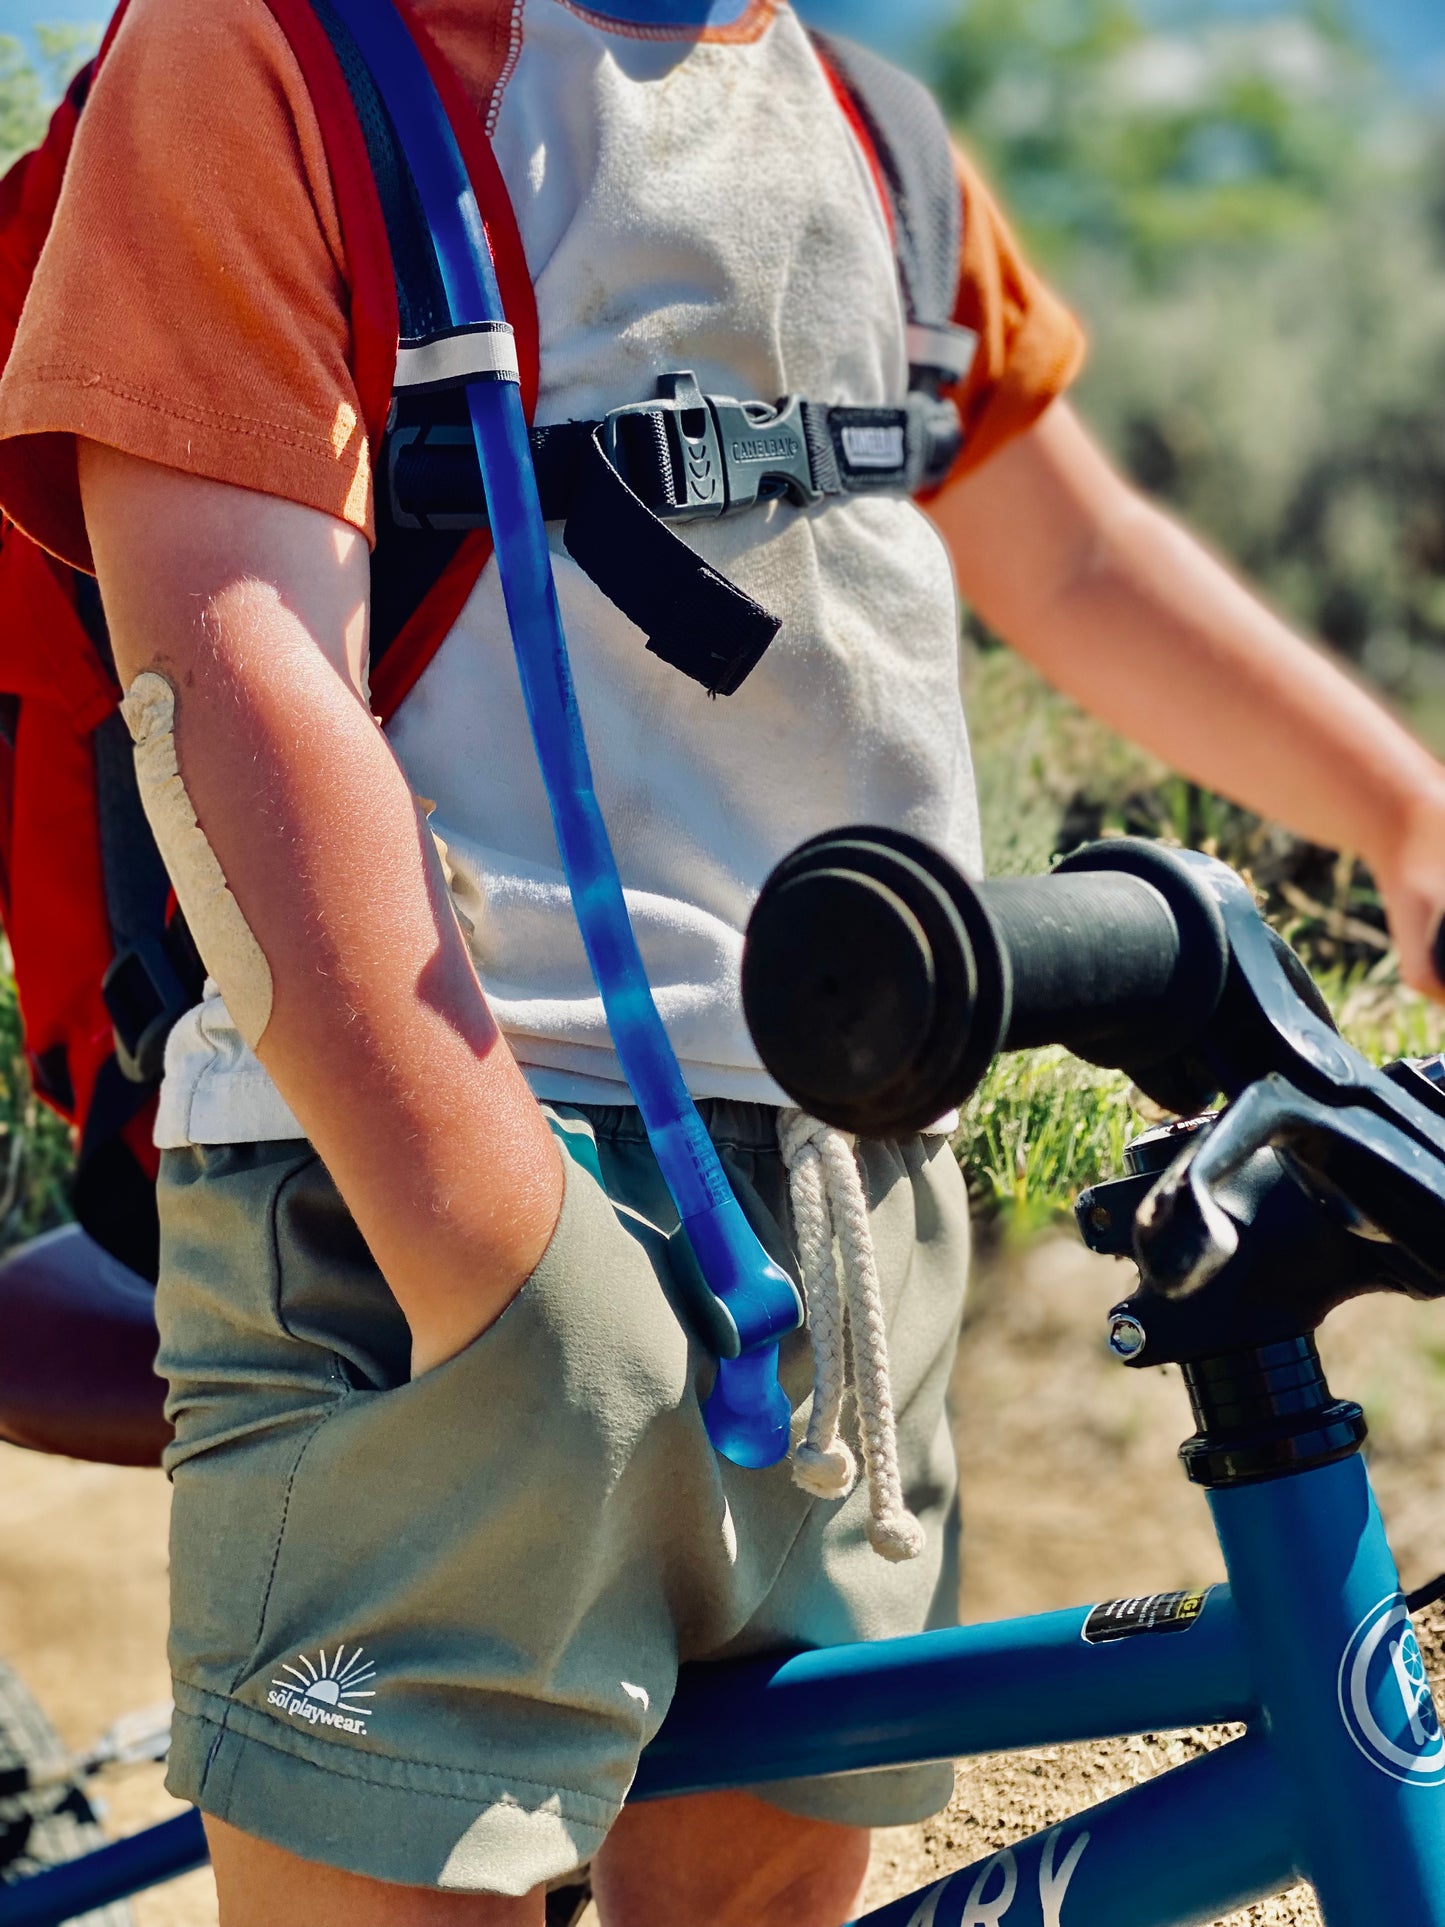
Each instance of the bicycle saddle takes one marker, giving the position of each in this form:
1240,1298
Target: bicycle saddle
77,1354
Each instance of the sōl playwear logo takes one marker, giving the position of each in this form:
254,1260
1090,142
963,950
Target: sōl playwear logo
326,1692
1385,1697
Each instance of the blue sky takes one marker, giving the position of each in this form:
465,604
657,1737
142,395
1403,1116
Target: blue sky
1411,31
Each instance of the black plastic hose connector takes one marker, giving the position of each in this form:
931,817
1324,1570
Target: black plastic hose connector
879,982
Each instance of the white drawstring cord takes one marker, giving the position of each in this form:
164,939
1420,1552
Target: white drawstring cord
830,1209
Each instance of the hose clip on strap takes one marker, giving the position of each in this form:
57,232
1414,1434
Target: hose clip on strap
481,351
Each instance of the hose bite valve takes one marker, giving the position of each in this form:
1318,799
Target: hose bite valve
747,1415
746,1309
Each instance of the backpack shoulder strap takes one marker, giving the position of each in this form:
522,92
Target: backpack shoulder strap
421,577
906,138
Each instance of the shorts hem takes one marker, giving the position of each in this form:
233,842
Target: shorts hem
402,1821
890,1796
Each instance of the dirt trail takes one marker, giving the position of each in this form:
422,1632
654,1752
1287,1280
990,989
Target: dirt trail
83,1619
1072,1493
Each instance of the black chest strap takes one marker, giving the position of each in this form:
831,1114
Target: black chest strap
617,485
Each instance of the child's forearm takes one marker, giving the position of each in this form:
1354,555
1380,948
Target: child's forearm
378,1035
1134,619
1159,640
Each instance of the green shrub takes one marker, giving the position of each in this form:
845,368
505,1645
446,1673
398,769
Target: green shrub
1249,216
29,89
1043,1125
36,1147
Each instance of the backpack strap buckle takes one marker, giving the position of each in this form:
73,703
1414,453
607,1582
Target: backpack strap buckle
765,453
689,456
146,994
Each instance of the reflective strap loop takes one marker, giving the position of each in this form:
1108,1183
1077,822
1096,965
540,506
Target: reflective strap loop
482,351
949,350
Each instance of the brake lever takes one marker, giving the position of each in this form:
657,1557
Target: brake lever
1365,1166
1264,1023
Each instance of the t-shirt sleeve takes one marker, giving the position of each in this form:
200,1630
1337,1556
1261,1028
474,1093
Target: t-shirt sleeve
190,305
1030,347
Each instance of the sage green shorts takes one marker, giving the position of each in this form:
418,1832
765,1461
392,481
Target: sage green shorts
422,1630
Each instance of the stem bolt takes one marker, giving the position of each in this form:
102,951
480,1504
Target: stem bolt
1127,1337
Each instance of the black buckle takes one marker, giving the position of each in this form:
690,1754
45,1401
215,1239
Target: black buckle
691,456
145,997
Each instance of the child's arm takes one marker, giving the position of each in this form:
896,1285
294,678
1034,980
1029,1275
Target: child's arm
379,1038
1135,620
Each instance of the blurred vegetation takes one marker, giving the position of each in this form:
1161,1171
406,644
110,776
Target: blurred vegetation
1104,131
1043,1125
35,1145
29,87
1250,215
1050,778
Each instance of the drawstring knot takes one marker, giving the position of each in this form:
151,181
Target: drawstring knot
845,1312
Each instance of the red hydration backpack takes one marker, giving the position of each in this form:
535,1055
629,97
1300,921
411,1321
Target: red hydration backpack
103,963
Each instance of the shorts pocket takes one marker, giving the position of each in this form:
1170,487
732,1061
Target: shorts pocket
456,1527
229,1360
329,1292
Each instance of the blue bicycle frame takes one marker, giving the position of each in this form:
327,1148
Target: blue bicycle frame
1339,1778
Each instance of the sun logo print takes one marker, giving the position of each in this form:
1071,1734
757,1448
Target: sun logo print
326,1692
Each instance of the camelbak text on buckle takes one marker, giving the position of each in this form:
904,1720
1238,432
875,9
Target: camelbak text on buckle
688,455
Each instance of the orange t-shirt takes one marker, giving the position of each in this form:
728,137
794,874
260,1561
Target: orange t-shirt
679,206
191,305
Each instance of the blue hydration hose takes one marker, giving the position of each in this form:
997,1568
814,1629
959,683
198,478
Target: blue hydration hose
754,1302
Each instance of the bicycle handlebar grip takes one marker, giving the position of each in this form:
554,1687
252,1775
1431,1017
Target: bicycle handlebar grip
879,983
874,983
1093,958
